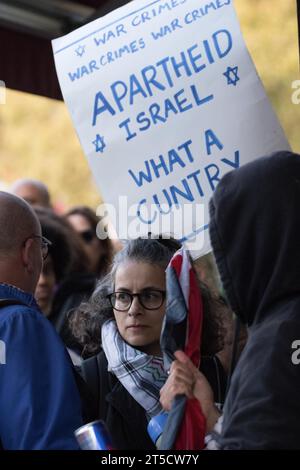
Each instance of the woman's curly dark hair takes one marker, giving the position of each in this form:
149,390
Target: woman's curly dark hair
85,322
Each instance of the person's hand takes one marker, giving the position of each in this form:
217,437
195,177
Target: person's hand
186,379
181,381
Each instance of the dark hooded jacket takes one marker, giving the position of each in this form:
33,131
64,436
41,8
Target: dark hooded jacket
255,234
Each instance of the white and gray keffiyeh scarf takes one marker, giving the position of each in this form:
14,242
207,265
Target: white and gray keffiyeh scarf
141,374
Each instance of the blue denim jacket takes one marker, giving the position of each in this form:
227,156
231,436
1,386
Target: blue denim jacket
39,402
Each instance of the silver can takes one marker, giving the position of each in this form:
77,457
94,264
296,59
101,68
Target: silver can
94,436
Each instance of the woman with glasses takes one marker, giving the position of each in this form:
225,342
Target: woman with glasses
129,307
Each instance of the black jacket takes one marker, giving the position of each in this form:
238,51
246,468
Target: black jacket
125,418
255,233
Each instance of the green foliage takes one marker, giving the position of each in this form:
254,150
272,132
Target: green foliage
37,138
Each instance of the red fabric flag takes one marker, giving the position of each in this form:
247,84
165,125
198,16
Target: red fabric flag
184,318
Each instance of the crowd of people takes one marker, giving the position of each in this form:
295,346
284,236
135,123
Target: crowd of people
82,321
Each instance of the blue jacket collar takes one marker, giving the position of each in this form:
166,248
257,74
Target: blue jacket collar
11,292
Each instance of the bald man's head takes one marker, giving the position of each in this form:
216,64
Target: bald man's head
17,222
33,191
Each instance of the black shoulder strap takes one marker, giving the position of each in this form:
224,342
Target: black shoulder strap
90,373
88,403
107,381
99,380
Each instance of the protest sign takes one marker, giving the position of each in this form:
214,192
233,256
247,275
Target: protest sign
165,100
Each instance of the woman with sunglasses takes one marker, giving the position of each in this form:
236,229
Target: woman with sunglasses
99,252
64,281
129,307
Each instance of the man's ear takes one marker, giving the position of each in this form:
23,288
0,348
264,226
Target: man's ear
27,255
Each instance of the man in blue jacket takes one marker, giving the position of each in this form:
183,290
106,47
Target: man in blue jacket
39,403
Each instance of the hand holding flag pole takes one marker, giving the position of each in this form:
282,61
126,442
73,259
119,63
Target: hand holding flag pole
182,328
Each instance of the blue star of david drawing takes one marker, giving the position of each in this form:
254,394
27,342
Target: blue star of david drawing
99,143
232,75
80,51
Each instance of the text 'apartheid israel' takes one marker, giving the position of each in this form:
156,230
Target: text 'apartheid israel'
165,100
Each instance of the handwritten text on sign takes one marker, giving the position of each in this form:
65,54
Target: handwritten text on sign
165,100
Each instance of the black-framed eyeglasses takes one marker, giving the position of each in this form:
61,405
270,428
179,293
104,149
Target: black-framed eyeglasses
87,235
151,299
45,244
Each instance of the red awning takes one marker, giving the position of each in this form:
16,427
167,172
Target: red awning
26,30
